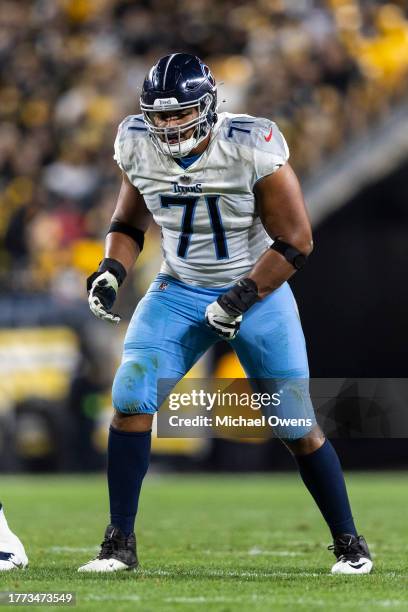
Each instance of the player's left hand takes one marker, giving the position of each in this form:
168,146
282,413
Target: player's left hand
102,289
225,325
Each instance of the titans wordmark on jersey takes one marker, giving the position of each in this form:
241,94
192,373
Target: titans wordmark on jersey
211,233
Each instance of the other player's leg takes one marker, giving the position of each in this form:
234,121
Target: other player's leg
271,347
12,553
163,341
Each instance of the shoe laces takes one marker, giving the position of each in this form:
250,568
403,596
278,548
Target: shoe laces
107,548
347,547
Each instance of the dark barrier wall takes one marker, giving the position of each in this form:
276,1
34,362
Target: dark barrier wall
353,296
353,299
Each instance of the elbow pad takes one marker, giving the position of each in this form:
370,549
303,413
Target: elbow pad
290,253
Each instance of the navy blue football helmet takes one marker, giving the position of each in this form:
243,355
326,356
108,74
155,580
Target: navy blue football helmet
179,82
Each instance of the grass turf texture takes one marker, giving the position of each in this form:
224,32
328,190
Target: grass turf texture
210,543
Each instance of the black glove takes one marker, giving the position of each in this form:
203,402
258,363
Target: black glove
103,287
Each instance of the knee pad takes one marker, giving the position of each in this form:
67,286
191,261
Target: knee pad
294,417
134,389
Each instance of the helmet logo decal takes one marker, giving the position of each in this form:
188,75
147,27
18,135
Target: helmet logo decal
165,102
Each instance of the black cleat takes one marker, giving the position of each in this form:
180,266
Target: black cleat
353,556
117,553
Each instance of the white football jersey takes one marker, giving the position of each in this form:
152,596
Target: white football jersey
211,232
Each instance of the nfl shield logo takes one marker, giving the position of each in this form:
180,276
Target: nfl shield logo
163,285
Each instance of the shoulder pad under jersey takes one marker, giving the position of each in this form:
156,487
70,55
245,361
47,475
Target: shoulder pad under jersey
269,148
131,128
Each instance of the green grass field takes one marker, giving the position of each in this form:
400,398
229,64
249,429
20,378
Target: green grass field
210,543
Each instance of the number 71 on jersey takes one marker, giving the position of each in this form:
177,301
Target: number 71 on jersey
189,203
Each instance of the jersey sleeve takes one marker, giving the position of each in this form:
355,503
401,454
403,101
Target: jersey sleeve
127,143
270,151
118,146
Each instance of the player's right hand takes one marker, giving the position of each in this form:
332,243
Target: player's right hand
225,325
102,290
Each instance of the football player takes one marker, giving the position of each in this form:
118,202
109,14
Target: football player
234,230
12,553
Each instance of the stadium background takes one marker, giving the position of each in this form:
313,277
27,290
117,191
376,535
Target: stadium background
332,74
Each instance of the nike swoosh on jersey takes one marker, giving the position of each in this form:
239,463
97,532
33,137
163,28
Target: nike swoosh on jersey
269,136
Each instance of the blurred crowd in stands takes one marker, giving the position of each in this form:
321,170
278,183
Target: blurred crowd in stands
72,69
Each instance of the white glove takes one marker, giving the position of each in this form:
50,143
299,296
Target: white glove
103,288
225,325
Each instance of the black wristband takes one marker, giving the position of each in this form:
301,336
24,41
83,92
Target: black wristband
115,267
240,297
124,228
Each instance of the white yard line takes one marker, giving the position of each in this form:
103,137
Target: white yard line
270,599
254,551
92,597
201,599
274,553
230,574
71,549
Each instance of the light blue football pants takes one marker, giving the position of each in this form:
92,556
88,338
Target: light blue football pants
168,334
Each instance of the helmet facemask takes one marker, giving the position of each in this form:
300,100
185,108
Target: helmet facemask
169,140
